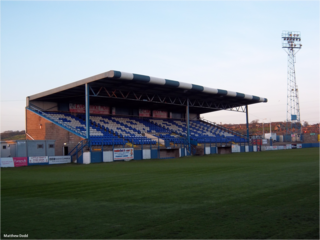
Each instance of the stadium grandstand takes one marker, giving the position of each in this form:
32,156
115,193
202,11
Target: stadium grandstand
119,109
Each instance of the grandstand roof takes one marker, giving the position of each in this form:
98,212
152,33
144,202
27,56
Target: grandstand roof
134,90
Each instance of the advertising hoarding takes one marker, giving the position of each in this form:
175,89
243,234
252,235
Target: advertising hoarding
7,162
81,108
144,113
38,159
20,161
160,114
59,159
123,154
14,162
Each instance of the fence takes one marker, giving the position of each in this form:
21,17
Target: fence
87,153
35,160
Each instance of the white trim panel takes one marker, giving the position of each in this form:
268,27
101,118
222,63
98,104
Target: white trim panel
126,76
159,81
185,85
247,96
210,90
231,94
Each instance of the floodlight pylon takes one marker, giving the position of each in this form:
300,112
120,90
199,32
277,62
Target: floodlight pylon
291,43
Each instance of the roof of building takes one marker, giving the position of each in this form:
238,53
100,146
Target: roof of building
135,90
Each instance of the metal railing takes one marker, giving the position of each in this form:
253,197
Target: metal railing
223,128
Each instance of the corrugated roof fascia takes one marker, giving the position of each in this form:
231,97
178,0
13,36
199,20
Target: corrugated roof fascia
183,85
151,80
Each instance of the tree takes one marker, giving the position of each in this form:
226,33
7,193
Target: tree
305,124
255,121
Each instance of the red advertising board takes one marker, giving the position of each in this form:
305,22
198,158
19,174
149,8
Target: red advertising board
14,162
160,114
80,108
256,141
144,113
20,161
77,108
99,110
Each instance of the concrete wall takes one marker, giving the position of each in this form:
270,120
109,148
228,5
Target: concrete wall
168,153
199,150
46,106
224,150
307,138
42,129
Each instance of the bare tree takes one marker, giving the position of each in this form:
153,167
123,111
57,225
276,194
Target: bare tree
255,121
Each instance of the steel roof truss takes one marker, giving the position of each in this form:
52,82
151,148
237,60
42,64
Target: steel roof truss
177,101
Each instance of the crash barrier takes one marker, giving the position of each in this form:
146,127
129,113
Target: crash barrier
85,152
36,160
127,154
118,154
254,148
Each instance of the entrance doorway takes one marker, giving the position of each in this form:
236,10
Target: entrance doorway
65,150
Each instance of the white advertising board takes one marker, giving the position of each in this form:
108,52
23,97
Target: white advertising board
289,146
272,148
207,150
7,162
146,154
299,145
235,148
255,148
107,156
86,157
38,159
59,159
123,154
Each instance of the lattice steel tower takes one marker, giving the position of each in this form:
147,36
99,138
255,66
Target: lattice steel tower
291,43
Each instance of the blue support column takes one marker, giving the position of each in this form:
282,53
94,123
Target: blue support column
87,112
247,122
188,130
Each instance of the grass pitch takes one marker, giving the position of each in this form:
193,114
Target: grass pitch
271,194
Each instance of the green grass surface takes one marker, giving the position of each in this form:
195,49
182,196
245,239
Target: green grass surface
271,194
15,137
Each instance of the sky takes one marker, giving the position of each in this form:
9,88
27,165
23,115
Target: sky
231,45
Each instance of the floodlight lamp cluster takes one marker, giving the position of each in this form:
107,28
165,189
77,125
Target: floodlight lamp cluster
291,40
